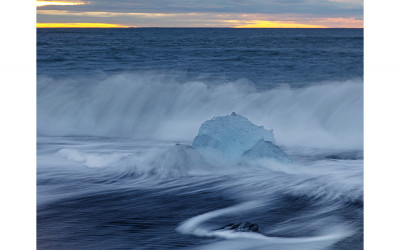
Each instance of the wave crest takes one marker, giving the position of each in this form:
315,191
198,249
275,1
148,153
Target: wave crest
154,106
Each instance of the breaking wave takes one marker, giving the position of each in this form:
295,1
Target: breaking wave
154,106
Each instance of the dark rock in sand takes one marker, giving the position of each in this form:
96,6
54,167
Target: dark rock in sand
242,227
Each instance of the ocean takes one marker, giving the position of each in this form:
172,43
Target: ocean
115,106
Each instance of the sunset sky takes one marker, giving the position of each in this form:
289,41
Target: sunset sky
205,13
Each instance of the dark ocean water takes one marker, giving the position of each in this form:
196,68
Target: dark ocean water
263,56
112,104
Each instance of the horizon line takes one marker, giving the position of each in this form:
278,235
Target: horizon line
177,27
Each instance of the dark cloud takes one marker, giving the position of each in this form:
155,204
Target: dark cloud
326,8
207,13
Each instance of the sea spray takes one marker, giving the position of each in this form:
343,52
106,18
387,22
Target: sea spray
146,106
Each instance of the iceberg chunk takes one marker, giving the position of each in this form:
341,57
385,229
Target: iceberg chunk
180,160
232,135
266,149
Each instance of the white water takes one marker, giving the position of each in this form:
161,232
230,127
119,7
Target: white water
251,240
156,107
255,185
152,112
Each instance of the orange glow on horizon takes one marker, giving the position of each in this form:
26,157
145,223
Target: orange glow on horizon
350,22
80,25
273,24
46,3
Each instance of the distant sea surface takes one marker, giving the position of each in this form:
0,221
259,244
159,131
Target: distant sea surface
113,103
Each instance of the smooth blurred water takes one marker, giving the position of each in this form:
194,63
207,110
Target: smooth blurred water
112,104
